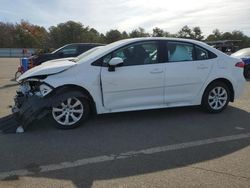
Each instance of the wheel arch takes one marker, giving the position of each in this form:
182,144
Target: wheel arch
227,82
84,91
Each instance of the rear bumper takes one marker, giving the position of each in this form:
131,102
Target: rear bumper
239,87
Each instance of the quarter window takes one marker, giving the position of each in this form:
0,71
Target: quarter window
201,53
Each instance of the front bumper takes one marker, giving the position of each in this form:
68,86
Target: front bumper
28,108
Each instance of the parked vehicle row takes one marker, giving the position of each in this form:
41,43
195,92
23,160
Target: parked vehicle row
127,75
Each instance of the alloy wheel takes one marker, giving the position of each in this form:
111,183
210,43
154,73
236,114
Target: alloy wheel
68,112
217,98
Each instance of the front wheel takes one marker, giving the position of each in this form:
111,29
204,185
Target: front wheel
216,97
70,113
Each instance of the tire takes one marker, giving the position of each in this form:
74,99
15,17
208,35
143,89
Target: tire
216,97
71,113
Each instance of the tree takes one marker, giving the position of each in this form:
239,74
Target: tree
185,32
7,31
216,35
25,34
68,32
194,33
197,34
113,35
29,35
140,32
157,32
243,40
125,35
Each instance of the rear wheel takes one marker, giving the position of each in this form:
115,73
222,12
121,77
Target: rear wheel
70,113
216,97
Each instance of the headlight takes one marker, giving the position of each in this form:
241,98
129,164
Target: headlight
24,88
44,89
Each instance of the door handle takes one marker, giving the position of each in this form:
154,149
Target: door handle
202,67
157,71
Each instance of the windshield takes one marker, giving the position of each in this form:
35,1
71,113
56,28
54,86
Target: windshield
92,53
81,56
242,53
56,50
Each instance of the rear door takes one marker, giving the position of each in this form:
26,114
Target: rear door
139,83
186,71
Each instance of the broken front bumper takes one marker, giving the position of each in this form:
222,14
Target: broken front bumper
29,108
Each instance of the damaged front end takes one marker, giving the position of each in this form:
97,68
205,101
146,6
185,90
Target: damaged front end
31,102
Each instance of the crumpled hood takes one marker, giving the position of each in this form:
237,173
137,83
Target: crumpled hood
47,68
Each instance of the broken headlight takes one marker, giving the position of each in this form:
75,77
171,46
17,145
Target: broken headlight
44,89
25,88
34,87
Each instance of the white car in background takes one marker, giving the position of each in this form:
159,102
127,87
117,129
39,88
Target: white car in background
128,75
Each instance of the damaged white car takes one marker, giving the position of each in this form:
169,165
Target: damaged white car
128,75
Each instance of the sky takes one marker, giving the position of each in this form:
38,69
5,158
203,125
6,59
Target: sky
103,15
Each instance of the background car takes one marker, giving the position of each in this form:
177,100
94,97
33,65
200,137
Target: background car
69,50
244,54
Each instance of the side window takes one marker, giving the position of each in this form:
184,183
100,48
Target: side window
137,54
68,50
178,51
83,48
201,53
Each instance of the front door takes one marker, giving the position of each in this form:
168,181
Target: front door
138,83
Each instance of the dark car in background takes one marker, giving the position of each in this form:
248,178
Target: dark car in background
244,54
69,50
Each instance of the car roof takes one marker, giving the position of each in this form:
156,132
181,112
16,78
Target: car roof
202,44
85,44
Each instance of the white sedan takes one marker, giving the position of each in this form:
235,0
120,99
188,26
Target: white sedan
128,75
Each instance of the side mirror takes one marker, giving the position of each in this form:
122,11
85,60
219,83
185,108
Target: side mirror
114,62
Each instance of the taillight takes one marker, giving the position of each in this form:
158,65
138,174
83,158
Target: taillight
240,64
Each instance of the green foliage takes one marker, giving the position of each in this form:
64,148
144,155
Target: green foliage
113,35
25,34
157,32
7,31
72,32
194,33
140,32
244,41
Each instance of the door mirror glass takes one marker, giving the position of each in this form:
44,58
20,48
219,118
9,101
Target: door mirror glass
114,62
